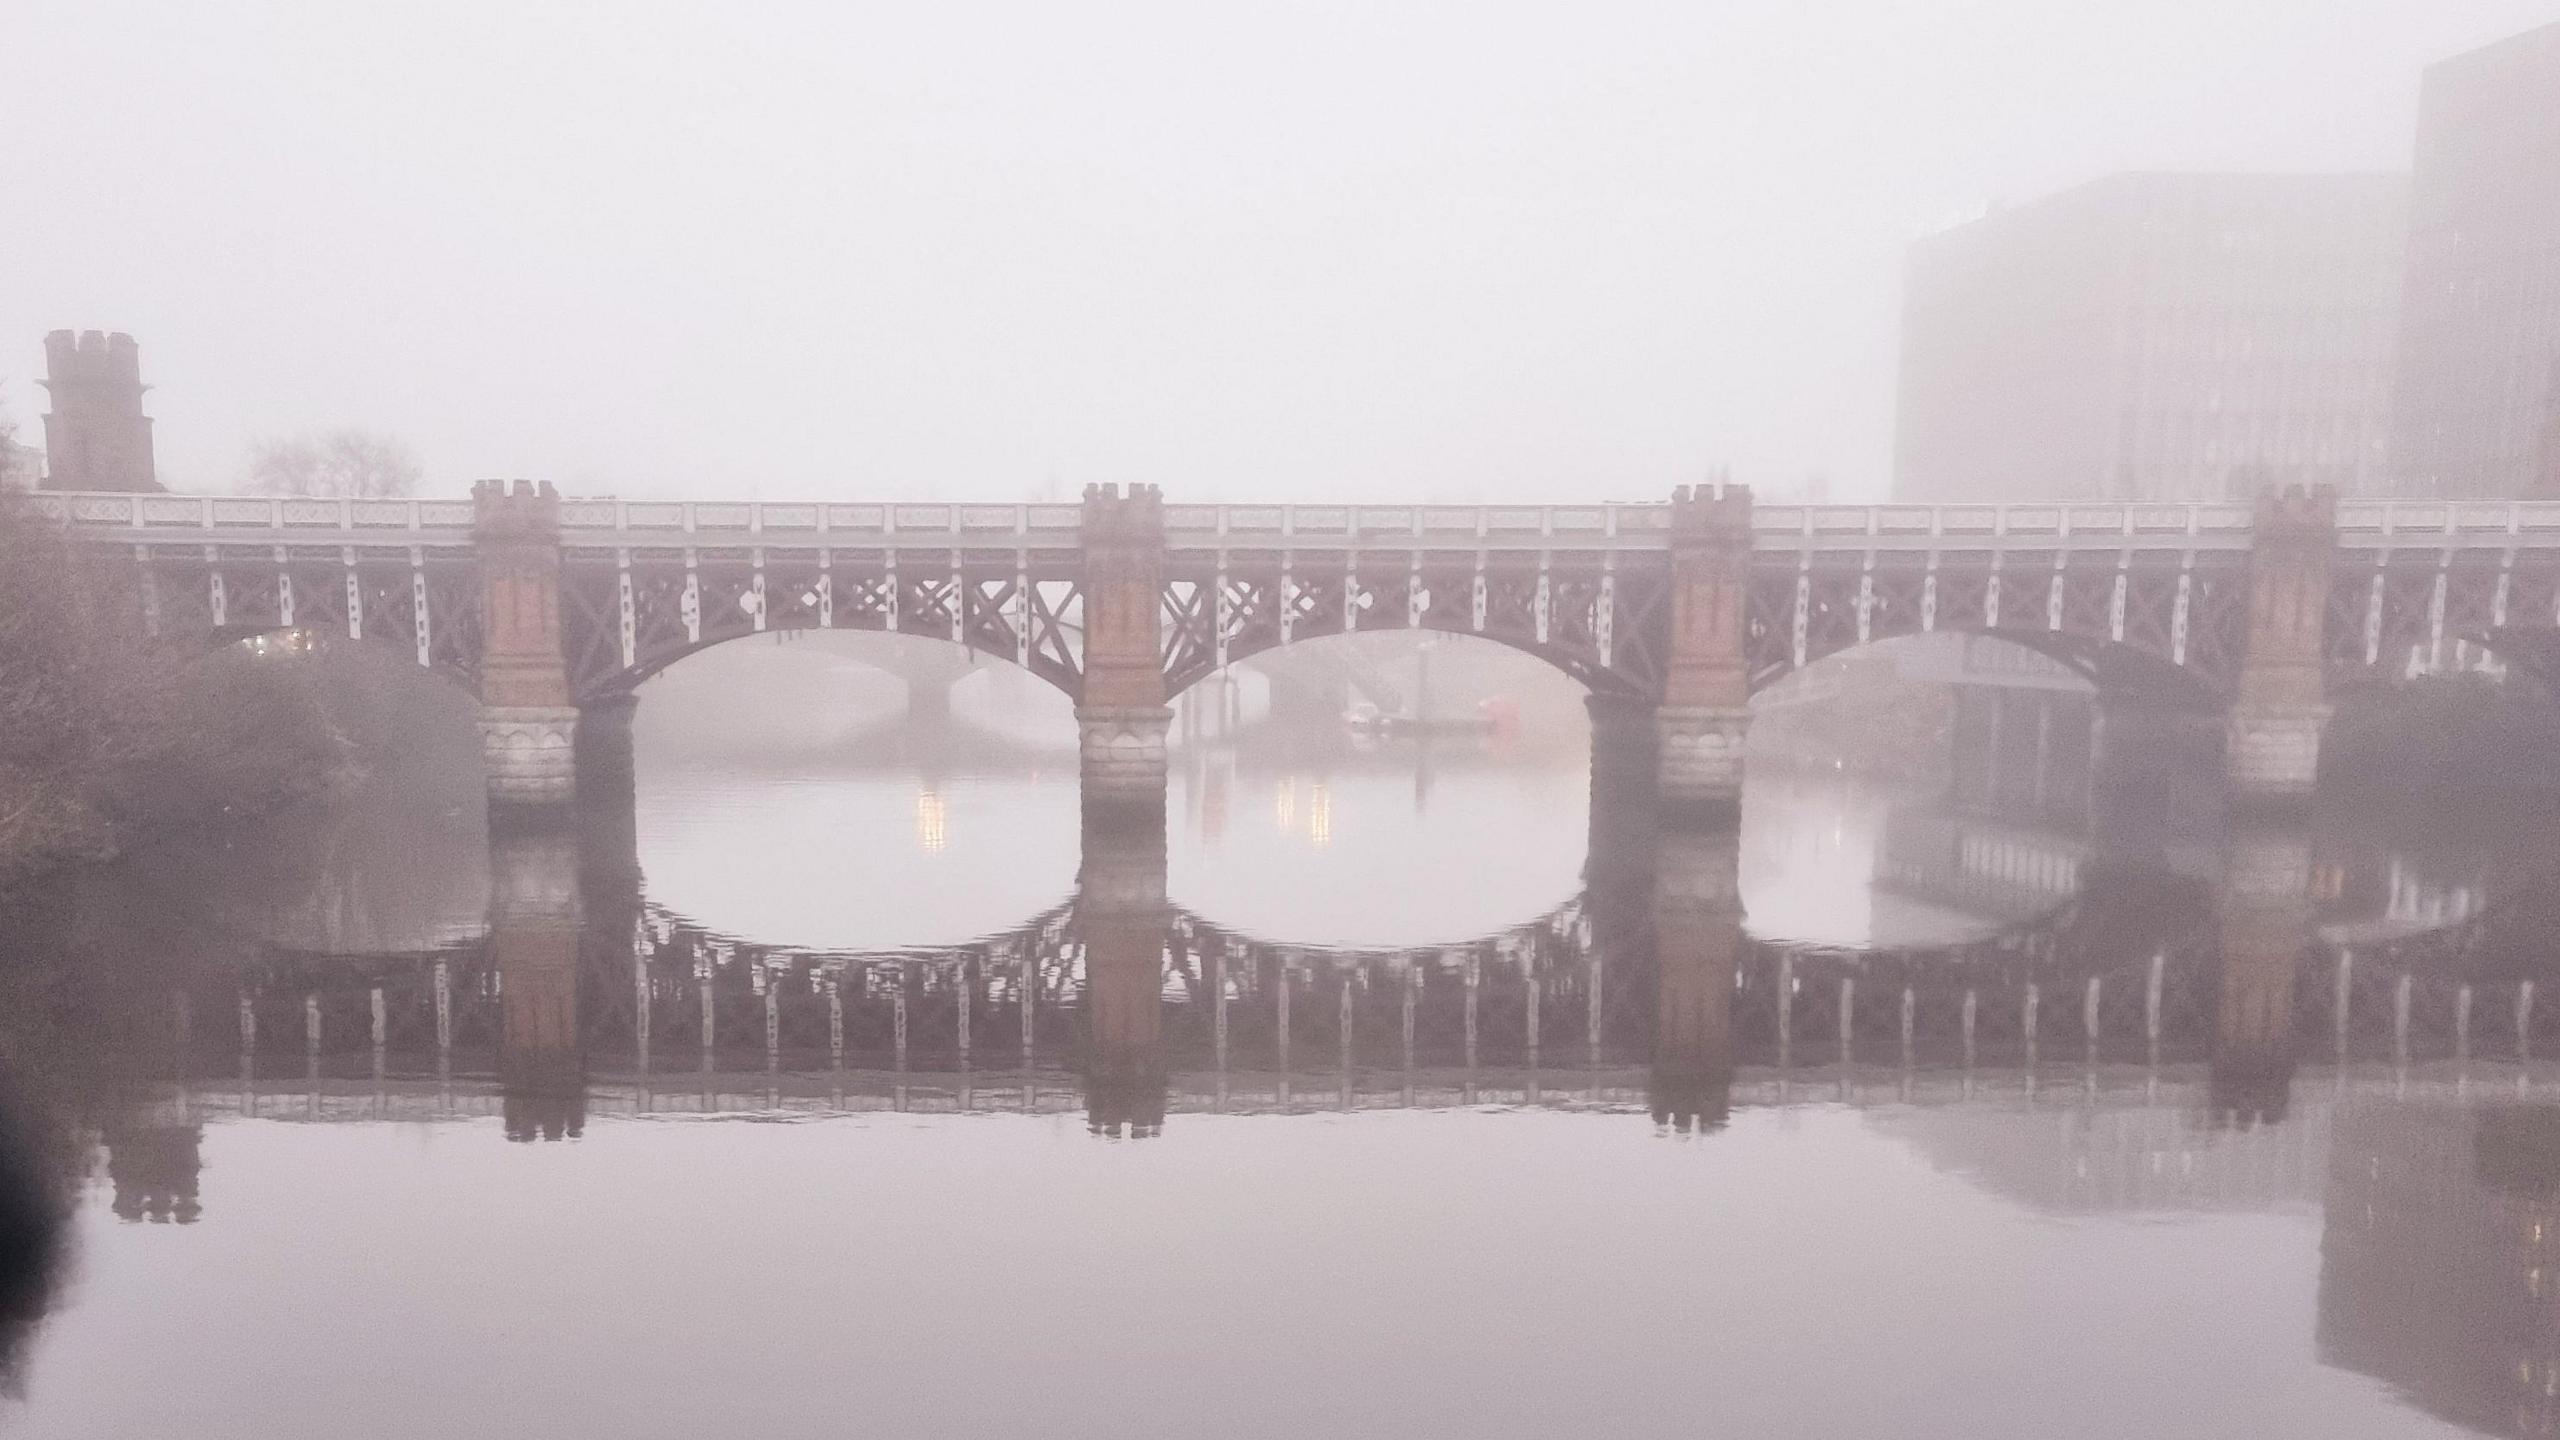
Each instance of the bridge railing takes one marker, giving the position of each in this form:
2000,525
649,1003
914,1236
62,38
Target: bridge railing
2369,524
1991,525
2362,523
813,523
287,519
1416,527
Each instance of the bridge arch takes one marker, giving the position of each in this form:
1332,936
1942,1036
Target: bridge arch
600,685
599,678
446,669
1577,666
2166,622
1601,627
2113,670
2530,650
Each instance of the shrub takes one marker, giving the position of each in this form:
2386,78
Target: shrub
105,736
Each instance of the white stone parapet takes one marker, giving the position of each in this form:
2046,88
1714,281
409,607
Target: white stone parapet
529,753
1700,754
2272,752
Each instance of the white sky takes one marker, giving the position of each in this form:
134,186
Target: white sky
1240,250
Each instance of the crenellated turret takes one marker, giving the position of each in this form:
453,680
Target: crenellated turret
96,436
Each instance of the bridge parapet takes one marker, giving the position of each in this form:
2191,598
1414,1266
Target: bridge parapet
2361,523
234,519
2043,527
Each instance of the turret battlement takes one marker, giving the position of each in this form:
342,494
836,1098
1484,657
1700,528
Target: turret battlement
1138,514
2300,510
93,357
1720,509
515,509
96,436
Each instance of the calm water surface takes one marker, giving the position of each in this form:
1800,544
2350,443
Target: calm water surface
1393,1092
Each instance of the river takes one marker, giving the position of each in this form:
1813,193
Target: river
1399,1088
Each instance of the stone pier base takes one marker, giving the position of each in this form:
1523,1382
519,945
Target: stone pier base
1699,769
2271,753
529,753
1624,746
1123,760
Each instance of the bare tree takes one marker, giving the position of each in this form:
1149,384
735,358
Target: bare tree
335,464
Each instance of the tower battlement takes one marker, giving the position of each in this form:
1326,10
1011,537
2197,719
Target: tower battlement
95,435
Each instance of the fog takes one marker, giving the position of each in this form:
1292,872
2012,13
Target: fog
1315,250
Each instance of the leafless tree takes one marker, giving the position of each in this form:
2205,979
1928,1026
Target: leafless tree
335,464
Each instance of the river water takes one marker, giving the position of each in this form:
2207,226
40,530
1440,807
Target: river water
1398,1088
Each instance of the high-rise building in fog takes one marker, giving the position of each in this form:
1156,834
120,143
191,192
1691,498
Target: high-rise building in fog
2478,382
2154,337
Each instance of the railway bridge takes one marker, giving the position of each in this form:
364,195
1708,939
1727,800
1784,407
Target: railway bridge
1671,614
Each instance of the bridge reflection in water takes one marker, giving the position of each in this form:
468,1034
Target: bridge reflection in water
2160,1011
1647,991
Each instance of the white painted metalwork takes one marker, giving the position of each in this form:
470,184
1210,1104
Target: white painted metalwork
2373,611
1021,610
1804,611
1219,620
1604,625
627,609
421,618
2181,608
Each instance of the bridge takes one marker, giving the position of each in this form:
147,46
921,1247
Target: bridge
1671,614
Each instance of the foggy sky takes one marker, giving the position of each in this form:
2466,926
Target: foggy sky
1287,250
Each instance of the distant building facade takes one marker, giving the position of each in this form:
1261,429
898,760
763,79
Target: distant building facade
2155,337
2478,382
96,436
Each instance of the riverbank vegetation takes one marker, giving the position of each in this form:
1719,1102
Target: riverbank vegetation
2464,738
108,737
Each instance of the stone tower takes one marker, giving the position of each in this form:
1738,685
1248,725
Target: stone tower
96,436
